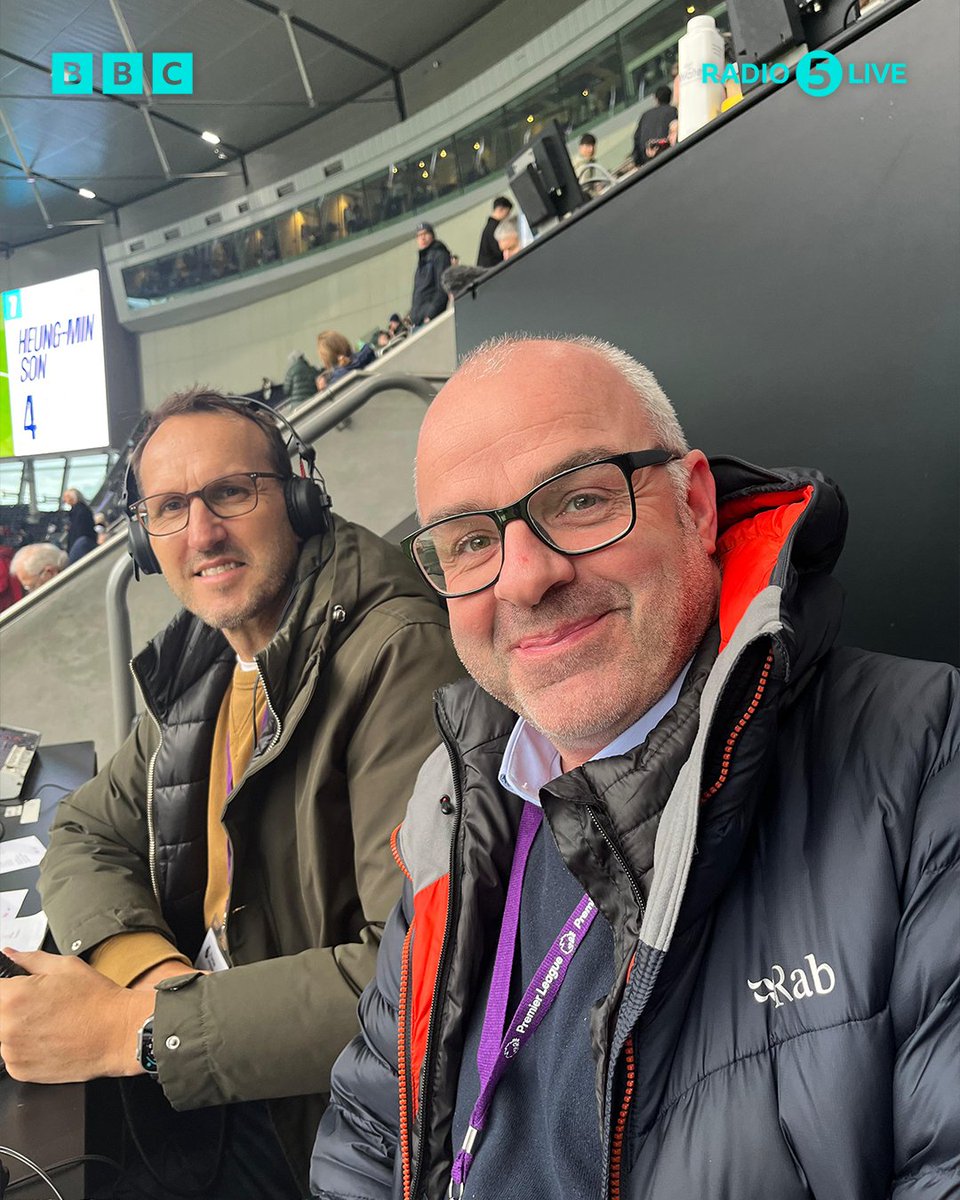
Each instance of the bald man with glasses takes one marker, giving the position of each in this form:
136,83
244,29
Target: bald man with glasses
680,907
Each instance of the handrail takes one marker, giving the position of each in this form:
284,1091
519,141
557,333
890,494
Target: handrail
120,645
312,420
61,579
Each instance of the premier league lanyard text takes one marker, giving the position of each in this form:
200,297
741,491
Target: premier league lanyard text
498,1048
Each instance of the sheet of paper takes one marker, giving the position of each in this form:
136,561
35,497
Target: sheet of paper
9,907
20,853
30,811
25,933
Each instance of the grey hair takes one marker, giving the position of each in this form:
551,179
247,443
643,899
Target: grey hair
492,356
35,557
509,226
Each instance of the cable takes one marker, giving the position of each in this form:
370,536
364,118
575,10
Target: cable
33,1167
168,1188
854,7
65,1163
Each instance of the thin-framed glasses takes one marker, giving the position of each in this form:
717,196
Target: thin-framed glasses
575,512
229,496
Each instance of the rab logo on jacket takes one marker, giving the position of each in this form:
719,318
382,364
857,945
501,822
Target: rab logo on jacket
818,980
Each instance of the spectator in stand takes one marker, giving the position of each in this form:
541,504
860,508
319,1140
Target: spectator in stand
429,298
508,237
586,153
338,358
300,381
81,534
489,253
593,178
36,564
396,326
11,590
653,129
382,339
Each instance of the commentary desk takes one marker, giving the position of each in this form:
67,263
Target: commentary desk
52,1122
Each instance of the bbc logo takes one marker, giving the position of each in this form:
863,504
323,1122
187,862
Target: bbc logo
122,74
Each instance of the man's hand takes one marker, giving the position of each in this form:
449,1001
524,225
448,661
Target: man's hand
65,1022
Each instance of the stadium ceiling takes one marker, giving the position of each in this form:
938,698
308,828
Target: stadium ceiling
261,70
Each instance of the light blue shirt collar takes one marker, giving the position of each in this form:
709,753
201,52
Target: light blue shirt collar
530,761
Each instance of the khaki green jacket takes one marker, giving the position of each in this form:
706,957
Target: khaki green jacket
349,678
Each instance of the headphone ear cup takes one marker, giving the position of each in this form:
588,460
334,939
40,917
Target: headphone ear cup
138,545
307,506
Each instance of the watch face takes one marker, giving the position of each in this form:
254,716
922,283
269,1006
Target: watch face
145,1055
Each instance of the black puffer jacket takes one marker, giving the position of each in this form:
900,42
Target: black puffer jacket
779,864
429,298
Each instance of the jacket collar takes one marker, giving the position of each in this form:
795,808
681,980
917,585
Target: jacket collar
780,534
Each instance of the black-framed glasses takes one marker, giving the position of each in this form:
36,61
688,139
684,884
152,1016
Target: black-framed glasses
229,496
574,512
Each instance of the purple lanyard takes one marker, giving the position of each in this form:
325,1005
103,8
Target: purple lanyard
497,1048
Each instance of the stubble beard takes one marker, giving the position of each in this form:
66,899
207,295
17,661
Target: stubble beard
663,637
268,595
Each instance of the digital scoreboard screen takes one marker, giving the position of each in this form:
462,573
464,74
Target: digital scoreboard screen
53,388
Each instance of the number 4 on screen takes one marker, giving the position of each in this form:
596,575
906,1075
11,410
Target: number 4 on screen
29,420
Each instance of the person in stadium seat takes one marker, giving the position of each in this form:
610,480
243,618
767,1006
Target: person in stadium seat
339,358
81,533
300,381
429,298
37,564
490,254
246,821
507,234
652,132
11,589
705,858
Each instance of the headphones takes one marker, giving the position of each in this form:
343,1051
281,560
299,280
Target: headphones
306,497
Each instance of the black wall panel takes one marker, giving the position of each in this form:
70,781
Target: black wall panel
791,276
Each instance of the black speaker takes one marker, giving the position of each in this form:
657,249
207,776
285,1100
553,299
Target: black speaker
307,500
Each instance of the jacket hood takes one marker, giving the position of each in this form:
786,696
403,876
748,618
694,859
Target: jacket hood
782,528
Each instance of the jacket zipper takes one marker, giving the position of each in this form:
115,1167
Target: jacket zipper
403,1088
439,988
616,1147
151,826
620,1130
618,855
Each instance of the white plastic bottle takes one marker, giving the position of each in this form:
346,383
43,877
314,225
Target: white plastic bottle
699,101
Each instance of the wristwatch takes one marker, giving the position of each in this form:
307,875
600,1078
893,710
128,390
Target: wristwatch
145,1055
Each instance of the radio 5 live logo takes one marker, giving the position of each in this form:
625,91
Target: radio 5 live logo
819,73
122,74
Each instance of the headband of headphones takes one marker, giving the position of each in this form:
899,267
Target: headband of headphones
307,500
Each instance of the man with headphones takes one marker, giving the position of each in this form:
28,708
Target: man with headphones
228,873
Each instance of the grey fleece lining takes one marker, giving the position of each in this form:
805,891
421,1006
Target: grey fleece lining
676,835
424,841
